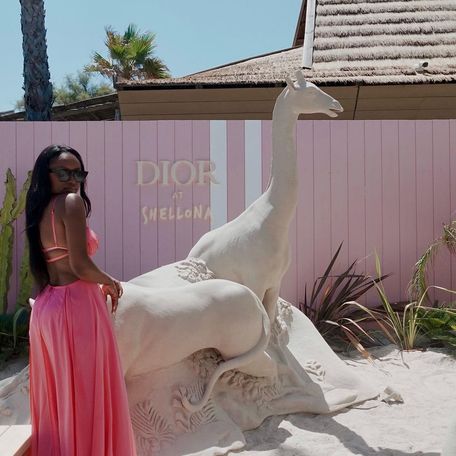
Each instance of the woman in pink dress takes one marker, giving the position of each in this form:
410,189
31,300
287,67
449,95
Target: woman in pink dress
78,398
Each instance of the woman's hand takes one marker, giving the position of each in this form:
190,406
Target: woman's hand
115,291
118,287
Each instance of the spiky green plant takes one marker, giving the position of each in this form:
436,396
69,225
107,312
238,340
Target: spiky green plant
329,305
418,284
400,327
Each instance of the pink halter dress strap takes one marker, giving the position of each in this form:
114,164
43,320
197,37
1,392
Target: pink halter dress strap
55,247
92,239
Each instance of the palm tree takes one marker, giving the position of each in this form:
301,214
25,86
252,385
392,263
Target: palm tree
37,86
130,56
418,284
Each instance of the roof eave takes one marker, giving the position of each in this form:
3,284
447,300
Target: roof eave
91,105
204,85
300,26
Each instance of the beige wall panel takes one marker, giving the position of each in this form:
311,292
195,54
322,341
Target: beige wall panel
212,107
341,92
347,104
386,104
346,115
216,107
408,90
183,95
236,116
407,114
381,102
439,103
436,114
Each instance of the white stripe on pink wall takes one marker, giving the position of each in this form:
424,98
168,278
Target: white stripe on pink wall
384,186
219,195
236,171
253,176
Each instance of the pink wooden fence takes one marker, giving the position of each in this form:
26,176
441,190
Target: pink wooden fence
375,185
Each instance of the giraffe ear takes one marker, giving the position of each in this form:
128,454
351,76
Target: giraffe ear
290,83
300,78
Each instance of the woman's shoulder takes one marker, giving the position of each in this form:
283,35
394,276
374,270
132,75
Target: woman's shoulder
72,204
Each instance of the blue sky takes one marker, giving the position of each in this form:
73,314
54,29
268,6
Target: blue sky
191,35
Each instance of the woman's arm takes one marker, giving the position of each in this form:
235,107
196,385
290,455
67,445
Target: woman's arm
74,219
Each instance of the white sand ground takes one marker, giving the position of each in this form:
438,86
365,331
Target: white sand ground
417,427
13,367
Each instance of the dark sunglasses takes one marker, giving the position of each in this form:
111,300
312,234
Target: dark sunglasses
64,175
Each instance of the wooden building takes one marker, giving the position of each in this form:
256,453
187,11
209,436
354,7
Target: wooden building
105,107
382,59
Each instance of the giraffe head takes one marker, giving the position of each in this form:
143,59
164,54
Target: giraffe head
303,97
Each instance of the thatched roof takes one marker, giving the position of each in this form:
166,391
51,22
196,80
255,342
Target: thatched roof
355,42
379,42
105,107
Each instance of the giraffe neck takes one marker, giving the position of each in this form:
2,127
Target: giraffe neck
282,191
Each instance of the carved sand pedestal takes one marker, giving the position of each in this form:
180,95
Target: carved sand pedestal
310,378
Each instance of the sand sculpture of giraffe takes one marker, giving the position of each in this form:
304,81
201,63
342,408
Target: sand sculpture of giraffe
253,249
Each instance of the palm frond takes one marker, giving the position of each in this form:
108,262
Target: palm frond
449,236
119,52
131,33
155,68
100,65
139,50
418,283
112,37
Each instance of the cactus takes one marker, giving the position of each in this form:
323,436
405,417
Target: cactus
25,280
11,209
6,238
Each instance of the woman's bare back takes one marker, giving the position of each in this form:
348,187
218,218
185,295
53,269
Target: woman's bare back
60,272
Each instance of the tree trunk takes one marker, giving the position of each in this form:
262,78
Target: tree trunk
37,86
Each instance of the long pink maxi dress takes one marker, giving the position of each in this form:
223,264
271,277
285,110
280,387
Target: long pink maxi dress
78,397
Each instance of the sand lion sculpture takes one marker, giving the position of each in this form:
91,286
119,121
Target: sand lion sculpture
207,346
